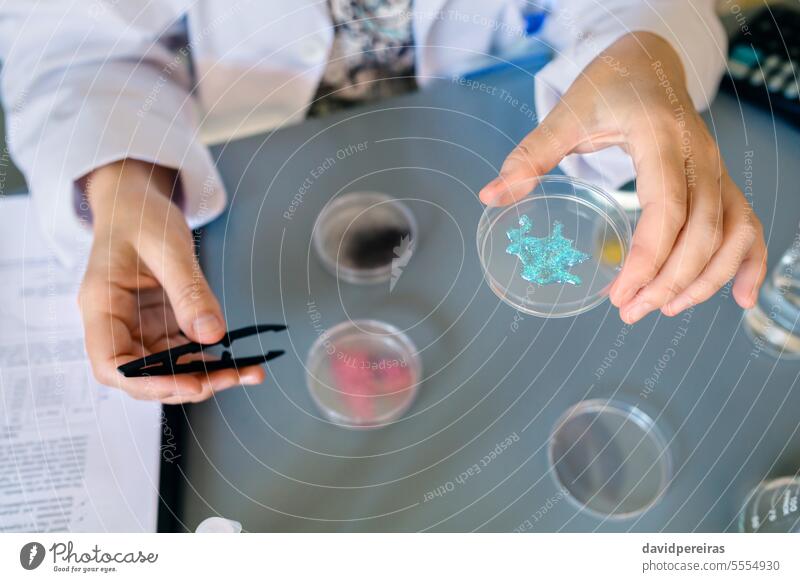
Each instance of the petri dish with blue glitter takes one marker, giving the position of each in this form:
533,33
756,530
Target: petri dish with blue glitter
555,252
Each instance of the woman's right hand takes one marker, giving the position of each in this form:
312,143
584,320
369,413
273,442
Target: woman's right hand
144,288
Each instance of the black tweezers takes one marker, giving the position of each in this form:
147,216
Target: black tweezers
166,363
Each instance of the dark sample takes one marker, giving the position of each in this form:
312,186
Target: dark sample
375,247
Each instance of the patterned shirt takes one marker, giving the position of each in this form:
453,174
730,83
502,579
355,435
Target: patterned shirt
372,54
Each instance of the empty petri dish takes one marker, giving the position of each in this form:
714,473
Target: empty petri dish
610,458
363,373
357,236
555,252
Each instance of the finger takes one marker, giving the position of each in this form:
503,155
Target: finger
109,344
536,155
700,238
224,379
218,381
742,250
175,400
156,320
751,275
172,260
661,185
108,349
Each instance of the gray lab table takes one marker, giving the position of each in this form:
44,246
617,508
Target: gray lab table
263,455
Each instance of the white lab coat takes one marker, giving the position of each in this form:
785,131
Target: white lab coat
88,82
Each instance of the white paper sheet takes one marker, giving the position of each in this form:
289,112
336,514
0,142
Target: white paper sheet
74,455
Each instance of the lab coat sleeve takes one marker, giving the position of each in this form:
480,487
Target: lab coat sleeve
83,87
583,28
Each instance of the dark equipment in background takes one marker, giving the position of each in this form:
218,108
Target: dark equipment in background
764,62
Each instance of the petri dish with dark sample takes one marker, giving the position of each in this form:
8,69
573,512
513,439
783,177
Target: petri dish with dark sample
363,373
556,251
359,236
610,458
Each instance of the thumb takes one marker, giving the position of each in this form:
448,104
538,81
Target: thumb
536,155
196,309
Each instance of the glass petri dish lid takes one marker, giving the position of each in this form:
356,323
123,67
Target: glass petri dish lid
555,252
363,373
359,235
772,507
610,458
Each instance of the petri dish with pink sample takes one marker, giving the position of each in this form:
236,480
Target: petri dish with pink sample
363,374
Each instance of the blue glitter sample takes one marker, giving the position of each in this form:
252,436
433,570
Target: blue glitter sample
546,260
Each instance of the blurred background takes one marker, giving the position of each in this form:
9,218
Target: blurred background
727,9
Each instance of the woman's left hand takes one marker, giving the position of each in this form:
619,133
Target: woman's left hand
697,230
